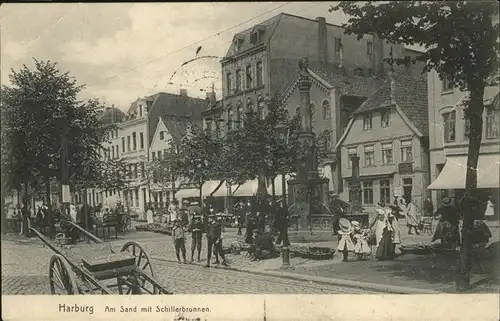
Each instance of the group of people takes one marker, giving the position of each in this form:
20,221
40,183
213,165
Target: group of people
203,220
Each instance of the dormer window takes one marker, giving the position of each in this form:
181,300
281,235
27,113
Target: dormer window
254,37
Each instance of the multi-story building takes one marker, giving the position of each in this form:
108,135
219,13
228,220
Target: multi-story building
133,140
389,132
449,142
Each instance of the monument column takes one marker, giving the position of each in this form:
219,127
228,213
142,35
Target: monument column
355,186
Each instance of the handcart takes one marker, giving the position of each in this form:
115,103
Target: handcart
96,268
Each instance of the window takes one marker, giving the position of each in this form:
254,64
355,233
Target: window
367,192
327,143
141,140
367,121
238,80
239,113
254,37
162,135
326,110
338,45
208,125
369,48
117,151
447,85
229,84
449,126
153,155
369,72
143,170
123,144
137,197
259,74
406,151
387,153
217,128
467,128
248,73
385,191
350,153
407,188
128,143
491,123
297,111
260,109
135,170
134,140
112,152
140,111
250,106
358,72
159,154
369,156
230,122
385,118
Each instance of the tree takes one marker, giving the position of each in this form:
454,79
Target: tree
461,44
165,172
197,156
39,110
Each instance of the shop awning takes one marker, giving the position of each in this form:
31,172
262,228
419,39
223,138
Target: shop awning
277,186
453,174
207,188
247,189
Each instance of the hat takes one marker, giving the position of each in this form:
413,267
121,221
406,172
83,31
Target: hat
446,201
345,225
355,224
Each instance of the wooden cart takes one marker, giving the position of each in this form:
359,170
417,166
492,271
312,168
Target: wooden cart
96,268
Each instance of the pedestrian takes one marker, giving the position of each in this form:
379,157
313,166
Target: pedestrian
281,224
149,214
360,237
412,218
179,240
241,216
263,246
447,228
196,234
383,233
490,209
172,211
345,241
214,241
429,207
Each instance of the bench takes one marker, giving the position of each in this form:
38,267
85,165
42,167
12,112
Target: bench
108,221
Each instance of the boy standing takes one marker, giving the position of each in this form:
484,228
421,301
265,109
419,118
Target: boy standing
214,239
196,233
179,240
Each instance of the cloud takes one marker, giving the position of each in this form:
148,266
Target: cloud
18,50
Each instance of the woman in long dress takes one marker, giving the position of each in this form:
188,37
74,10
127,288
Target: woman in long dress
490,209
383,234
149,216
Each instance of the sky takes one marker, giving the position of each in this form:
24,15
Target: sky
123,51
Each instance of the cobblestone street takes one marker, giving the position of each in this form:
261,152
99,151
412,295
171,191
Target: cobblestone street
25,271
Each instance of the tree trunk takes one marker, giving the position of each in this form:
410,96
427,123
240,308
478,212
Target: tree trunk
273,191
201,193
50,214
474,114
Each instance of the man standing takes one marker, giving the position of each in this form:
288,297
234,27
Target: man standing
214,239
196,233
281,224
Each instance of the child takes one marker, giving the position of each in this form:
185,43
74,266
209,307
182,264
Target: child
345,243
179,240
360,237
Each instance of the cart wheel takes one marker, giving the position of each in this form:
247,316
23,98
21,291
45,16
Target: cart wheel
143,263
61,277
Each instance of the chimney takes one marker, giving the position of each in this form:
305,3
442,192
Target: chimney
183,92
378,53
322,41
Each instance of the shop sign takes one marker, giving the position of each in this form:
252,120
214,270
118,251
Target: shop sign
405,168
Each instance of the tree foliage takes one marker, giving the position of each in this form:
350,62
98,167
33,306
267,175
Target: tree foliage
461,39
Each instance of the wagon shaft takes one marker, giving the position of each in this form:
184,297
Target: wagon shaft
109,262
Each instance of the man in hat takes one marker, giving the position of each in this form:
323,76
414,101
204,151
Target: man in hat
196,233
214,240
179,240
281,223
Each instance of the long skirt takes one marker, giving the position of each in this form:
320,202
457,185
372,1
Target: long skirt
385,249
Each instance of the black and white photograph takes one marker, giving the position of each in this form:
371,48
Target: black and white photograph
249,148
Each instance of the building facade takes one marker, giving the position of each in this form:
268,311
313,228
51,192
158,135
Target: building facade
449,142
389,132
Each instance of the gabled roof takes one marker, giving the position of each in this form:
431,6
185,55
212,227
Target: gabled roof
410,96
334,77
176,111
